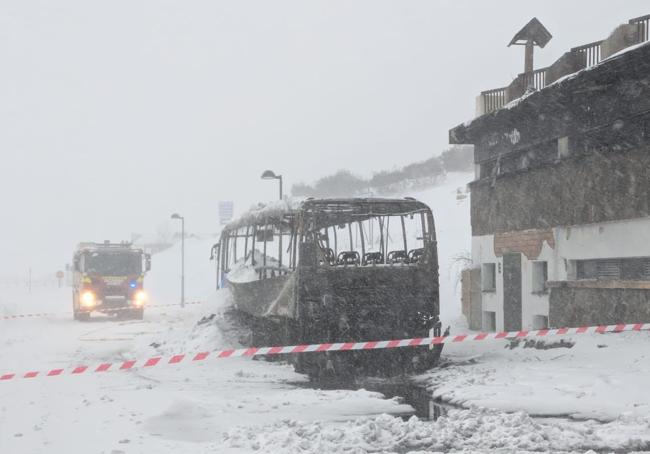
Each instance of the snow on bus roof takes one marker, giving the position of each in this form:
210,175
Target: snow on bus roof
281,209
263,212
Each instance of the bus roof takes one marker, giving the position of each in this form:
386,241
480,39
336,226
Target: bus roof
327,211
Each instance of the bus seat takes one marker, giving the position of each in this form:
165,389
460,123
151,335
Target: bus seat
415,255
397,257
348,258
373,258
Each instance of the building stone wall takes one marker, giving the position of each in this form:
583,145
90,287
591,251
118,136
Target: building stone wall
576,306
599,187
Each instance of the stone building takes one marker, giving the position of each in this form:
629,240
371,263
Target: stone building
560,204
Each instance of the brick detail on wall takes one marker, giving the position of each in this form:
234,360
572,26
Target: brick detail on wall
527,242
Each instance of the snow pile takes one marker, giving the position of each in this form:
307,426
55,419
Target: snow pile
473,430
193,329
196,327
245,270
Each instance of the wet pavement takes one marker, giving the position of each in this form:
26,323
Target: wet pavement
417,396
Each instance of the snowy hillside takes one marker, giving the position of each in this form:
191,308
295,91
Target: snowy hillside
453,231
452,228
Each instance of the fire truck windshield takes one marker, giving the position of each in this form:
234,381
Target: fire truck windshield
113,263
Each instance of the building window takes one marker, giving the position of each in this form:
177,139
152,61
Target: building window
488,277
637,268
489,321
540,276
540,321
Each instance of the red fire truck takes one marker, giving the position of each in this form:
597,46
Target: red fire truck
108,277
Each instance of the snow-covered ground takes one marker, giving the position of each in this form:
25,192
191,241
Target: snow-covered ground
591,396
184,408
601,377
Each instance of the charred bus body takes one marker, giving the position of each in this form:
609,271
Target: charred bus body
336,270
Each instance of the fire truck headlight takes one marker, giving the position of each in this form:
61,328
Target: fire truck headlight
140,298
88,299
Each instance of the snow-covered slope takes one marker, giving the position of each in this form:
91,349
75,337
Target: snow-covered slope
163,282
454,236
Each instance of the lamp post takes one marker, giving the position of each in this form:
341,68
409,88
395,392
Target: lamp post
270,175
178,216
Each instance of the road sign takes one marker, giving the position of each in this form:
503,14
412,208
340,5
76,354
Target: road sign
59,276
226,211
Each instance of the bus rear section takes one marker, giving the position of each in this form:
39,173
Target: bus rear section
368,272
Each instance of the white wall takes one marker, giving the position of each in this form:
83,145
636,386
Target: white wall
630,238
483,252
532,304
618,239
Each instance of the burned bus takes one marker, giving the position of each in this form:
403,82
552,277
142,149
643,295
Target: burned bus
335,270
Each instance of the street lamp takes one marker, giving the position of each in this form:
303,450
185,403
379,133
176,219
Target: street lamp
178,216
270,175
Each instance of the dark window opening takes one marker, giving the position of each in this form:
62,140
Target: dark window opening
540,276
488,277
637,268
540,321
489,321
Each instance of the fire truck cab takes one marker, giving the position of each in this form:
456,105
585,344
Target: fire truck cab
109,277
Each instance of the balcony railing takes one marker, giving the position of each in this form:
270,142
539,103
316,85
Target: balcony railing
643,23
537,79
493,99
589,53
577,58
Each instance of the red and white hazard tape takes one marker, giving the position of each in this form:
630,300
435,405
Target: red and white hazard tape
117,309
327,347
16,316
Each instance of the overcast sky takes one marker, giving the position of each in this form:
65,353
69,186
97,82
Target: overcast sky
115,114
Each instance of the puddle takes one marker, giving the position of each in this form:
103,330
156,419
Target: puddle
425,406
